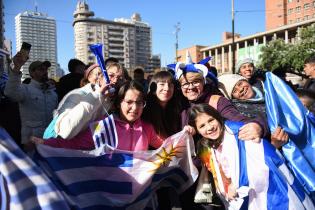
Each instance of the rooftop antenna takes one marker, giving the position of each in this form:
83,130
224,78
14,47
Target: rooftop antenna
36,6
177,29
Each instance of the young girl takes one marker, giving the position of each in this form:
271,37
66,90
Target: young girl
244,169
133,133
163,107
163,112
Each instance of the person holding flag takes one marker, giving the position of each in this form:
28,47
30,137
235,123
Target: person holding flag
247,175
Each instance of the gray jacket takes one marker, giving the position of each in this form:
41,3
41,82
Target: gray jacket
36,104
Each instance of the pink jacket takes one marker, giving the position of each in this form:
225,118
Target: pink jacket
137,137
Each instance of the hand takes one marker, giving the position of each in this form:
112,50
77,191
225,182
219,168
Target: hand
279,137
250,131
190,130
19,60
36,140
104,89
232,194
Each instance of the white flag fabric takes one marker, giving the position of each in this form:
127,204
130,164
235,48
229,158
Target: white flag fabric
119,179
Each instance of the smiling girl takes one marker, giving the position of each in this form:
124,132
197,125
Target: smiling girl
133,133
163,107
245,173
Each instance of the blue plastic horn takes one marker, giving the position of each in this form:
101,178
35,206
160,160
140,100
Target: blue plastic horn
98,52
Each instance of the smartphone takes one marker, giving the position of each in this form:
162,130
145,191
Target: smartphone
25,49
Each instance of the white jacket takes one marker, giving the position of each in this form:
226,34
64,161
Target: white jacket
36,104
77,109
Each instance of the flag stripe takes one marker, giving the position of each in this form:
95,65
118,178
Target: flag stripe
103,138
113,129
109,160
107,131
20,174
3,191
29,192
113,187
98,144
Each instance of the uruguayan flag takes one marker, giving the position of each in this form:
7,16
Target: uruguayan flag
104,132
284,109
119,179
256,169
23,185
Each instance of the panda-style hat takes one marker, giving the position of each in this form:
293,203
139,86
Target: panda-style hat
189,66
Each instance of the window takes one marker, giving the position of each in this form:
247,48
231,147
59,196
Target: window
307,6
291,21
290,11
306,17
298,9
298,20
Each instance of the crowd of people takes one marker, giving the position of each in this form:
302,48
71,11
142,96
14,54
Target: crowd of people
147,112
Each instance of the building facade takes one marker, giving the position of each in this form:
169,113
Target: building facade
4,51
194,52
249,46
154,62
283,12
39,30
128,40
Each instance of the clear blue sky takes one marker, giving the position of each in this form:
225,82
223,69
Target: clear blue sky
202,21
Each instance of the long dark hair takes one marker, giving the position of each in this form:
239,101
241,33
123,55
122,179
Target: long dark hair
124,88
166,121
209,110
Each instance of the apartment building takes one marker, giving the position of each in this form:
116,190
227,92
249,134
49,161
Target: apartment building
128,40
284,12
39,30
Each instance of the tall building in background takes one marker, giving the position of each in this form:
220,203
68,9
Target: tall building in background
154,62
284,12
40,31
3,51
128,40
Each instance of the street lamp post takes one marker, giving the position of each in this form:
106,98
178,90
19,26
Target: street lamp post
233,41
177,29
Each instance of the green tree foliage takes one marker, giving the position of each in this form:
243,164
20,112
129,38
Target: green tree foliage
277,54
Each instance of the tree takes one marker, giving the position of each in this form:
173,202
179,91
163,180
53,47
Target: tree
277,54
274,55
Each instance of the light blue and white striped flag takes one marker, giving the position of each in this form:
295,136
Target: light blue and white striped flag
119,179
23,185
284,109
262,169
104,132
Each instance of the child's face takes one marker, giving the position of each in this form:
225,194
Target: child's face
208,127
164,91
131,106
